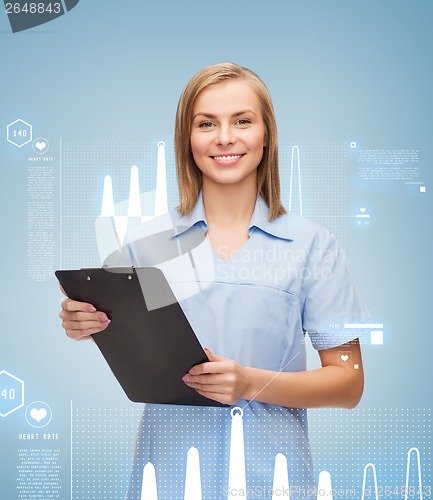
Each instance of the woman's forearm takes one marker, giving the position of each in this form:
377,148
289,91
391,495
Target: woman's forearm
339,383
330,386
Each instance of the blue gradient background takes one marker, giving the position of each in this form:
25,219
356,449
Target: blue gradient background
338,70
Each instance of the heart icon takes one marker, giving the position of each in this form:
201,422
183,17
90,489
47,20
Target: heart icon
40,145
38,415
361,209
344,357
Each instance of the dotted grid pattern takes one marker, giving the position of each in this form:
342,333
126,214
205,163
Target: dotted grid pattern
102,452
168,451
84,167
264,438
85,164
343,443
324,170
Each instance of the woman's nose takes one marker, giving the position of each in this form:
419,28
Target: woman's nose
225,136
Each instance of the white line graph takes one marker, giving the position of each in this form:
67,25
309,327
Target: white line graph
419,472
237,474
192,476
114,221
295,149
406,489
364,480
108,208
237,484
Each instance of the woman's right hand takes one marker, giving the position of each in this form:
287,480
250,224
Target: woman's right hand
80,319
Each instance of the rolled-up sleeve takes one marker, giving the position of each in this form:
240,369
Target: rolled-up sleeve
333,301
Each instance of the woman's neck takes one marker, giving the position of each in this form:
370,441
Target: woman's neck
227,204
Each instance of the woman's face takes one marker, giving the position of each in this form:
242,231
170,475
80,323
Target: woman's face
227,133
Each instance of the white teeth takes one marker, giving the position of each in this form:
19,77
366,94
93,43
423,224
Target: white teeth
227,158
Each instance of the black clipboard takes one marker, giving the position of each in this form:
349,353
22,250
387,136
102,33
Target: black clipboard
149,344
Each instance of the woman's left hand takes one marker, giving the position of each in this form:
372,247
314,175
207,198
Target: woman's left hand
220,379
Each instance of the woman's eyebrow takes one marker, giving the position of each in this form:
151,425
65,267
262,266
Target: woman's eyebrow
206,115
243,112
234,115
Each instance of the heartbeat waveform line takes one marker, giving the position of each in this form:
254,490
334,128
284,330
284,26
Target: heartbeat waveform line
192,476
149,489
281,481
324,486
364,480
134,198
280,486
237,472
298,163
134,201
419,472
114,225
161,202
373,468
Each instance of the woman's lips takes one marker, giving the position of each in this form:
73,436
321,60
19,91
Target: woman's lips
227,159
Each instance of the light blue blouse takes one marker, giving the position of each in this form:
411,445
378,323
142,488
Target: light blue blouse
290,278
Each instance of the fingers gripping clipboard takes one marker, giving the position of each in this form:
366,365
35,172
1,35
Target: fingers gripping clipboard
149,344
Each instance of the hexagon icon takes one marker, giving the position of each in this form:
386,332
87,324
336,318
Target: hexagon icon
11,393
19,133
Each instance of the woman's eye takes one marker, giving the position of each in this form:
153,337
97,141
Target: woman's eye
206,124
244,121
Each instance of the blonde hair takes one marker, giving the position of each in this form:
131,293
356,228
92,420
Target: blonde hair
189,176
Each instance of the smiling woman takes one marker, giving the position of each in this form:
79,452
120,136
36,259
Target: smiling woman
250,312
216,79
228,134
227,141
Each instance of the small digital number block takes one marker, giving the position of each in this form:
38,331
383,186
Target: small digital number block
24,15
19,133
11,393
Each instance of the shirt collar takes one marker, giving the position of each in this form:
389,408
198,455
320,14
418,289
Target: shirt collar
278,227
196,216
